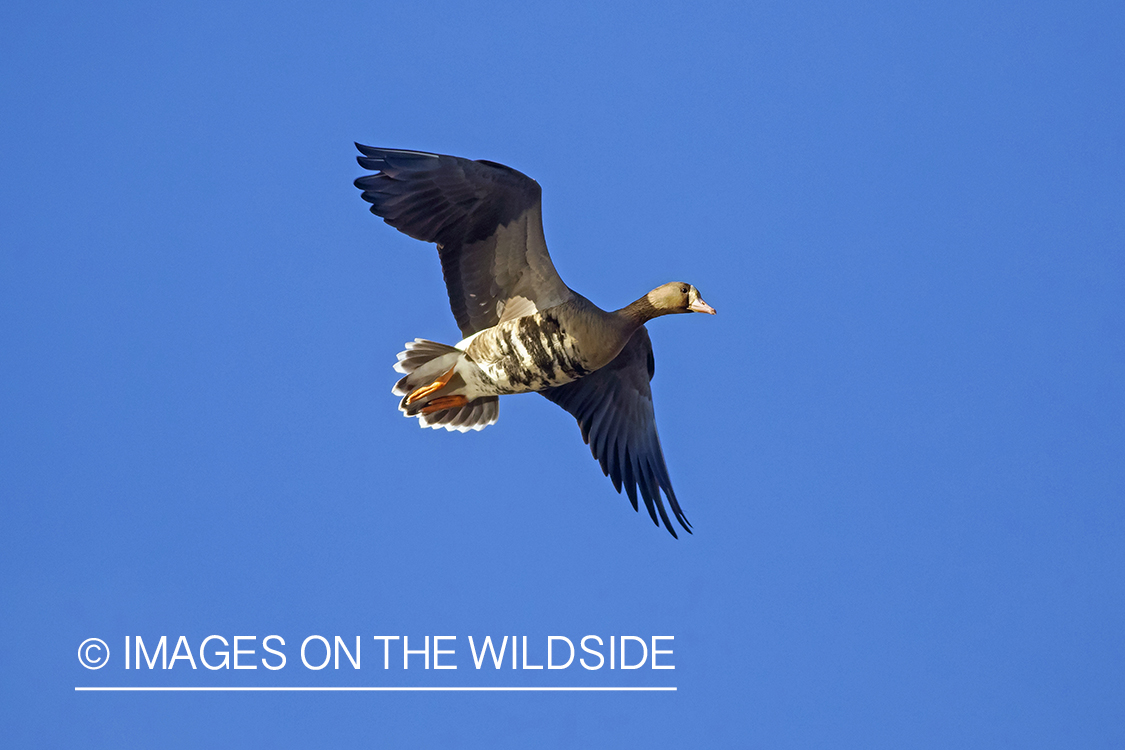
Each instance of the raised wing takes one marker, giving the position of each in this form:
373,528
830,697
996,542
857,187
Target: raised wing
486,220
613,407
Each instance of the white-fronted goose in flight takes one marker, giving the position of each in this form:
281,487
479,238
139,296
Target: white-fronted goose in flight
524,329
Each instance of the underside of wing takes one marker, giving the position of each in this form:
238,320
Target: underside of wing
486,220
613,407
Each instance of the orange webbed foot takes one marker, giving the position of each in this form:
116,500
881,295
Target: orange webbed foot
444,402
426,390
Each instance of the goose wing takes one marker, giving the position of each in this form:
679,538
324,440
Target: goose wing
613,407
486,220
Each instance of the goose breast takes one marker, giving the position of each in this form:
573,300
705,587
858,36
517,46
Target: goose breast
537,351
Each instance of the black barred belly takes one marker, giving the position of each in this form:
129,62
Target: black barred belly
528,354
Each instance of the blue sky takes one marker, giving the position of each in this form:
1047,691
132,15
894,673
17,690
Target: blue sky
900,441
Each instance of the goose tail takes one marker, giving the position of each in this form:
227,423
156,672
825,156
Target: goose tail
431,388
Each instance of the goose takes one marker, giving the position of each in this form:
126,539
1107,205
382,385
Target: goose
523,328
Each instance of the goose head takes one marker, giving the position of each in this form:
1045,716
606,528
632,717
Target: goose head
677,297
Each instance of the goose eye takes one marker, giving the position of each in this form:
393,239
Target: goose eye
683,290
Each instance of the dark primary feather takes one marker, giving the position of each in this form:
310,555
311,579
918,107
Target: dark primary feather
613,407
485,219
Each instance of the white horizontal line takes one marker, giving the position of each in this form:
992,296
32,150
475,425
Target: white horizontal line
368,689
